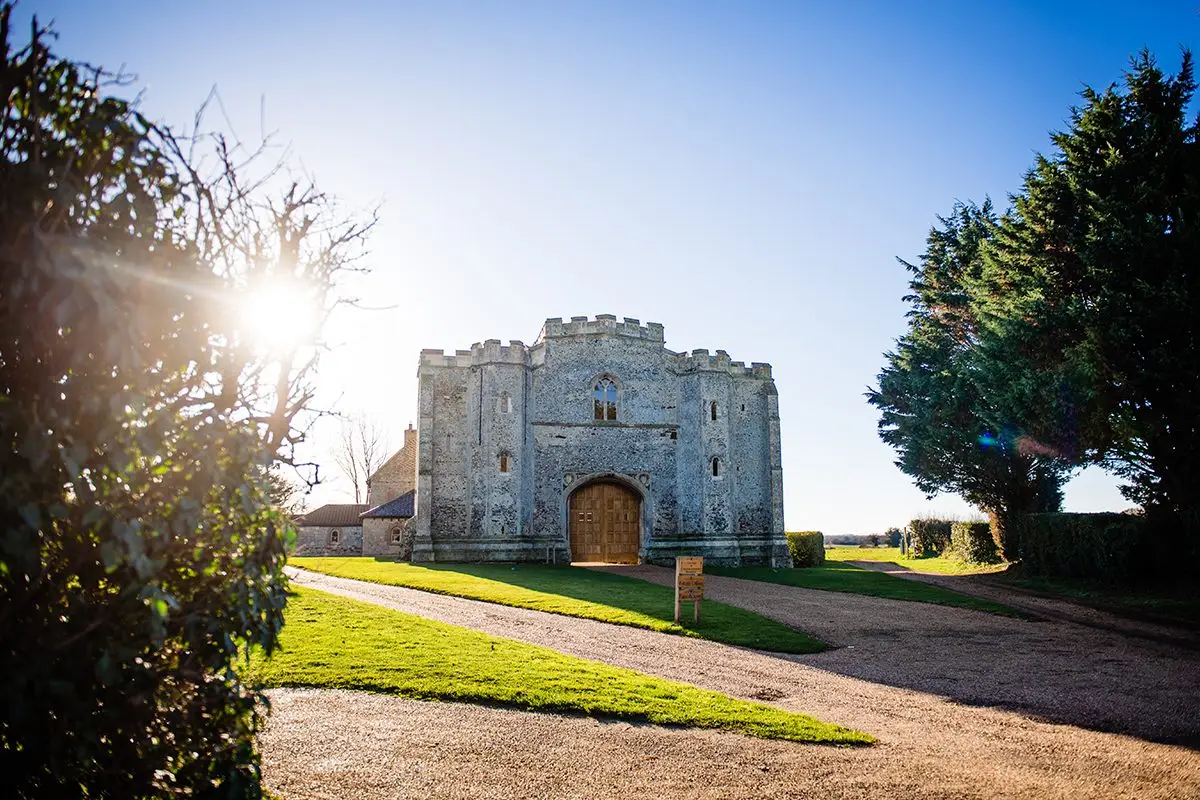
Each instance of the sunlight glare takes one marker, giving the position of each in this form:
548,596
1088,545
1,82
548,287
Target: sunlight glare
278,317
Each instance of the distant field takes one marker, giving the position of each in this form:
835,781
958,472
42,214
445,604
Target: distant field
574,592
336,643
835,576
941,565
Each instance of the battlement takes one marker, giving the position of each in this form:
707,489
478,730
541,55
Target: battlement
491,351
700,361
487,352
603,323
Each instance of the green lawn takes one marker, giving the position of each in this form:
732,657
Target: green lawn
1179,605
835,576
335,643
575,592
942,565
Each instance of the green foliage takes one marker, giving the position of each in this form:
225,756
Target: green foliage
333,642
928,536
1110,549
894,535
140,550
836,576
1102,547
807,548
973,543
574,592
951,433
1090,290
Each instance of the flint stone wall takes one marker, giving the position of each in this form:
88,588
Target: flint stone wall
534,406
314,540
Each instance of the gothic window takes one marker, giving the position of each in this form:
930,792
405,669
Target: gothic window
716,467
505,403
504,462
713,410
605,399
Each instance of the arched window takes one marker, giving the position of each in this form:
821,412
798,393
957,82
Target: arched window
713,410
716,467
504,462
605,399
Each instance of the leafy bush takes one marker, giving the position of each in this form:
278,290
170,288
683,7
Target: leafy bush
807,548
928,536
140,550
1098,547
972,542
894,535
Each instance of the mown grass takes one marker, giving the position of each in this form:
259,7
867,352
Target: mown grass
942,565
575,592
835,576
1178,605
333,642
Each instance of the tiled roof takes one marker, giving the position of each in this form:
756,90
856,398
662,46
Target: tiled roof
334,515
401,506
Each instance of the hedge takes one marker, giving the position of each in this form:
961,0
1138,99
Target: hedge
928,537
973,543
1111,548
807,548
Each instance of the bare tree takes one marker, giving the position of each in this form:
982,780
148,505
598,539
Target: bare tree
361,450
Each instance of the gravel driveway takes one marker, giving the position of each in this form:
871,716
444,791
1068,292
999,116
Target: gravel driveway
899,671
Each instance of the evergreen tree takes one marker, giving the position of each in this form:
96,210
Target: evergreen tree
1090,294
950,434
140,552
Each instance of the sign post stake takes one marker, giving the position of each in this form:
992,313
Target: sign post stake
689,584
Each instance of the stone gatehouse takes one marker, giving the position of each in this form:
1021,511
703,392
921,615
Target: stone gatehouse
595,443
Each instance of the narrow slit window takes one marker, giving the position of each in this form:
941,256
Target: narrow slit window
716,467
505,403
604,400
712,410
503,462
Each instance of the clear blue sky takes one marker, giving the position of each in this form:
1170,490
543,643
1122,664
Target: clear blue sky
745,173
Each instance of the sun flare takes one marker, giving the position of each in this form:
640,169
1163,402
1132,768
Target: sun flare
277,317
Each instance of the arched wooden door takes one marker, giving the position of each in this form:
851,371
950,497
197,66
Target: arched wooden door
606,524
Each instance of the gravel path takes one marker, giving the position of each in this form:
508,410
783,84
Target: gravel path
899,670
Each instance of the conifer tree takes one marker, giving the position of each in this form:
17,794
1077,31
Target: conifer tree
949,433
1090,293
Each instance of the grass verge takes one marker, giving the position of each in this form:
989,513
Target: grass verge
1170,605
941,565
835,576
333,642
574,592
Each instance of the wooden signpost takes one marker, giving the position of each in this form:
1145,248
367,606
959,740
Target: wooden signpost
689,583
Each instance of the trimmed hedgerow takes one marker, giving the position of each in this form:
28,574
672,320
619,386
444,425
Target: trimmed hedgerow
972,542
807,548
1107,547
928,537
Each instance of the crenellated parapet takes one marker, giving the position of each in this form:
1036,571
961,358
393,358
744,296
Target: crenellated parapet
490,351
602,324
700,360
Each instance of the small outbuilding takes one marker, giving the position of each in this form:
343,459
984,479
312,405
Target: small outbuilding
334,529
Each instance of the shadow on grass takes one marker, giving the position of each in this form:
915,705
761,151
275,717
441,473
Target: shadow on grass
836,576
